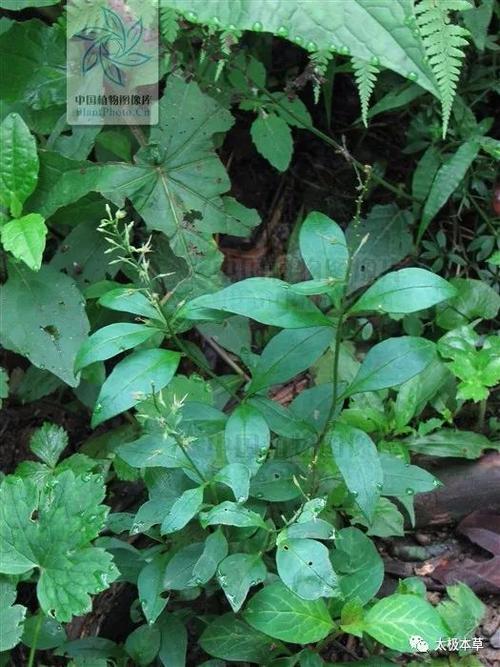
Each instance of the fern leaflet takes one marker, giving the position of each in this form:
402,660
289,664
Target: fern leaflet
365,73
169,26
443,43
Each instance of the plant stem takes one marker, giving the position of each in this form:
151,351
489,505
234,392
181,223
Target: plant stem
36,633
481,415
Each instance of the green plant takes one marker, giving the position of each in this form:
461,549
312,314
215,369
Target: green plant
253,533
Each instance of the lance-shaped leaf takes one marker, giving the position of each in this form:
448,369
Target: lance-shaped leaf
357,458
392,362
52,531
137,376
19,165
266,300
404,291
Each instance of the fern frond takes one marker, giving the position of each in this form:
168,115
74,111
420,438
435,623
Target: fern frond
365,73
444,44
169,25
319,62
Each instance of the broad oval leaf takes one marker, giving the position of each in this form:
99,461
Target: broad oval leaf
304,567
288,353
323,247
392,362
275,481
237,574
110,341
358,565
231,514
25,239
395,619
357,458
135,377
247,437
273,139
404,291
265,300
381,30
229,638
53,328
281,614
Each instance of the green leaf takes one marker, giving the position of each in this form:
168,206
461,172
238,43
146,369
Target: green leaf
289,353
273,139
450,442
477,20
68,516
25,239
323,247
400,476
281,614
19,167
474,298
237,573
150,587
231,514
365,73
377,242
18,5
110,341
182,511
359,567
392,362
356,456
447,180
128,300
48,442
395,619
463,612
404,291
387,520
280,419
138,375
143,644
43,319
173,647
215,550
11,616
34,59
230,638
50,633
364,30
237,477
275,481
304,567
444,43
247,437
265,300
414,394
179,570
424,173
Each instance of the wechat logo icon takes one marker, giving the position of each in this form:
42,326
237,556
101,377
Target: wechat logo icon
418,644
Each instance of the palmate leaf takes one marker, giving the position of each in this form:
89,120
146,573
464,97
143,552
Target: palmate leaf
175,184
364,29
52,530
443,42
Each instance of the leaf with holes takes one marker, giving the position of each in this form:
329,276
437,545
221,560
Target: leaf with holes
305,568
53,531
